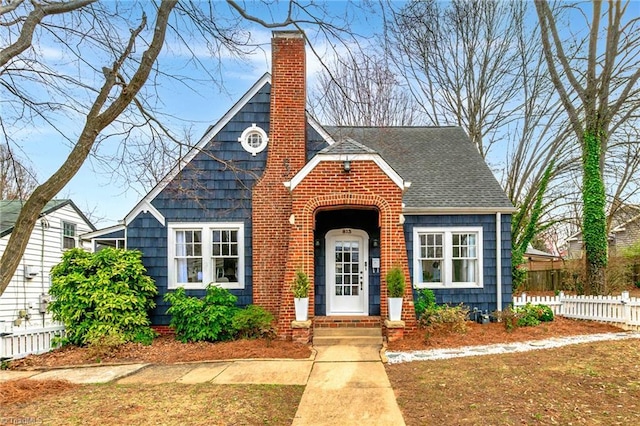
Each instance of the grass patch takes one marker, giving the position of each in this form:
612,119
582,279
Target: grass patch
594,383
166,404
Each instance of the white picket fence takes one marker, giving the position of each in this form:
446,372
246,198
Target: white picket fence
623,311
20,343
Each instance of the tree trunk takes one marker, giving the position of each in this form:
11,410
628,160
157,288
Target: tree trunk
594,216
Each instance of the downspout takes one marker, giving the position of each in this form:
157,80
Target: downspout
44,225
498,261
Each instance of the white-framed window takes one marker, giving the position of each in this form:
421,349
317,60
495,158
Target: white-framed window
68,235
447,257
103,243
204,253
254,139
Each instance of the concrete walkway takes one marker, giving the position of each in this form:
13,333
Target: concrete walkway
285,372
344,385
348,385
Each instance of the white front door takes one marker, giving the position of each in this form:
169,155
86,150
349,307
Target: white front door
347,274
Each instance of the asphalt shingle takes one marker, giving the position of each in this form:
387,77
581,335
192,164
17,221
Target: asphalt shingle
442,164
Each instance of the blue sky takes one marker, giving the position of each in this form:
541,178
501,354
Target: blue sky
195,109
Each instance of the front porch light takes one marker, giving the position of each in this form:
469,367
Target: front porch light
346,166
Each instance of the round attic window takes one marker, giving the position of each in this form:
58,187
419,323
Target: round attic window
254,139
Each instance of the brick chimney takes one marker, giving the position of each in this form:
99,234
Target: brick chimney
286,155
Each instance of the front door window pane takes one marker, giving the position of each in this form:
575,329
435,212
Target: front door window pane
347,268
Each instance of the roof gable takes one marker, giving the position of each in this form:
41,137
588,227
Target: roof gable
446,171
10,209
210,136
362,156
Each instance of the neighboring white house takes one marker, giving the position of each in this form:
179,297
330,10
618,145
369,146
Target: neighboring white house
23,303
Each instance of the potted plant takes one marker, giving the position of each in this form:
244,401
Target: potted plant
395,291
300,289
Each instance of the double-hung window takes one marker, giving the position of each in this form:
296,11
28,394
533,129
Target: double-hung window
447,257
68,235
200,254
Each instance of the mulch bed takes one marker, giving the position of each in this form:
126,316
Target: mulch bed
165,350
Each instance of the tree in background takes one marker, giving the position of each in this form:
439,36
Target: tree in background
17,181
121,83
472,64
95,65
599,92
360,89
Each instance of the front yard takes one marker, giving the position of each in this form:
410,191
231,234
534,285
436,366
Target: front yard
167,404
582,384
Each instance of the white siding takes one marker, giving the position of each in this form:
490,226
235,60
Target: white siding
41,256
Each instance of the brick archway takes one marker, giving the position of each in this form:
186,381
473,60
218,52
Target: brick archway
365,187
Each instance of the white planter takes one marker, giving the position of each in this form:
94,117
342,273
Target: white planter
395,308
302,308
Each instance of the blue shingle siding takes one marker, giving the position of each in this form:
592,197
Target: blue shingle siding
374,280
140,236
507,295
214,187
108,235
315,142
319,282
482,298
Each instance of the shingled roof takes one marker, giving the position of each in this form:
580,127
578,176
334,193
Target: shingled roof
10,209
444,167
347,146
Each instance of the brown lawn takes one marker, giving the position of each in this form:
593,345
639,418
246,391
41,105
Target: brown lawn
582,384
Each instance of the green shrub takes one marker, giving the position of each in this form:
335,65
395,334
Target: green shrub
426,301
253,322
103,294
450,319
395,282
202,319
300,285
638,284
530,315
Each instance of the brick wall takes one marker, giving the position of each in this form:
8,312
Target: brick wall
326,186
286,156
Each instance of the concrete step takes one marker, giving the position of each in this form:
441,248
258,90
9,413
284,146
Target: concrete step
347,340
348,331
347,336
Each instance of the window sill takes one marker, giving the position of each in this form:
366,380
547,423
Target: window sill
202,286
441,286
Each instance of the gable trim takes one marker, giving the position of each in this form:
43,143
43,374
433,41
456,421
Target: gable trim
318,128
384,166
144,207
99,232
622,226
211,132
